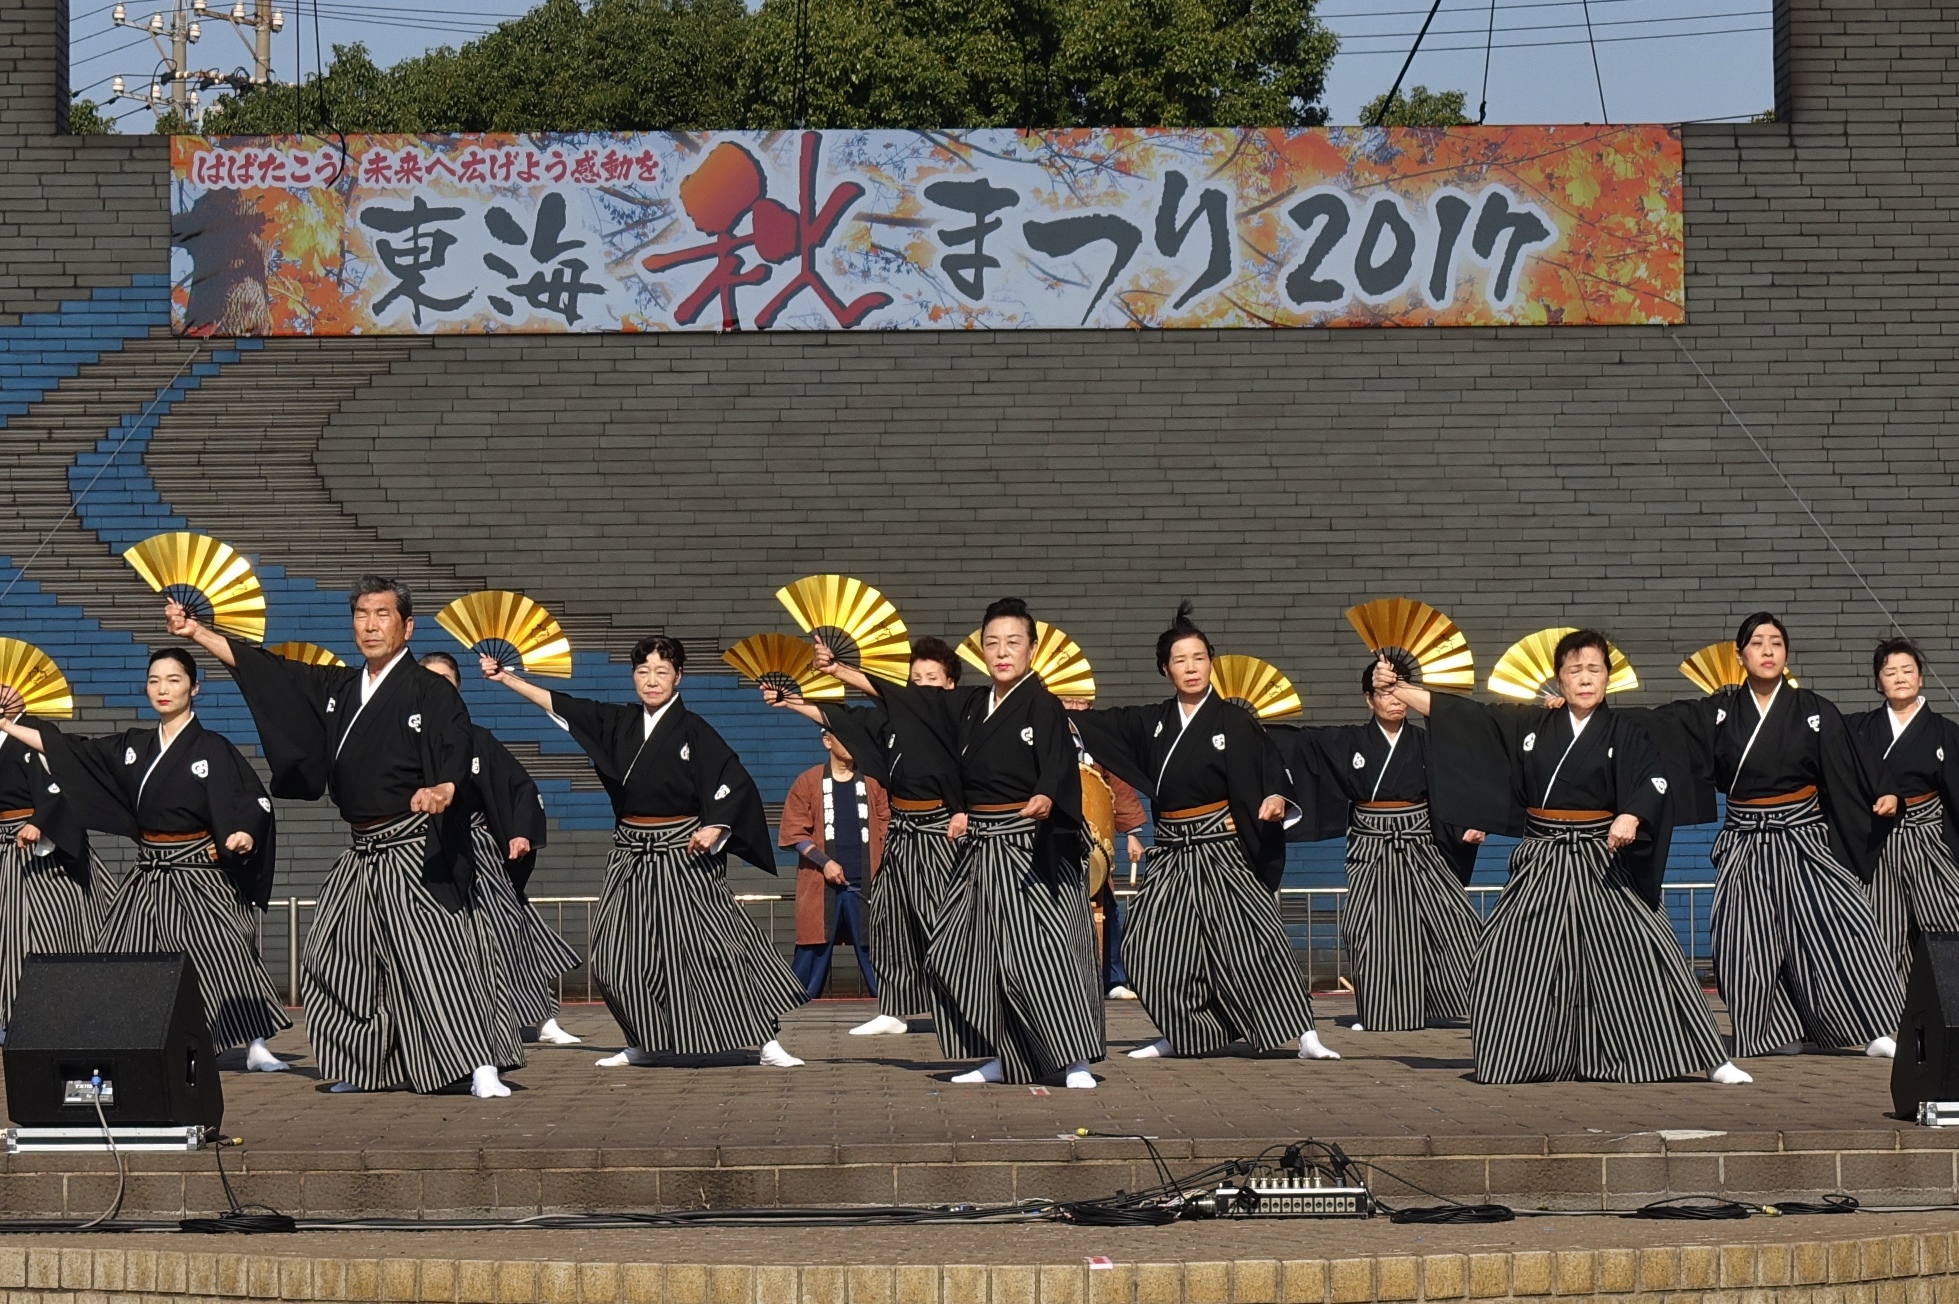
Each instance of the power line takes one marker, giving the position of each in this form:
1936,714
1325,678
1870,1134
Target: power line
1542,45
1591,39
1559,27
1387,101
1489,44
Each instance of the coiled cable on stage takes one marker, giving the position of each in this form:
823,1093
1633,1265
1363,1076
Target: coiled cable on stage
238,1219
1696,1208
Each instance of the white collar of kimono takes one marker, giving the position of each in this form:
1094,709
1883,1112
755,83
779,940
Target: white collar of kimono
995,700
1185,714
1380,778
371,682
1578,725
650,720
1898,726
162,746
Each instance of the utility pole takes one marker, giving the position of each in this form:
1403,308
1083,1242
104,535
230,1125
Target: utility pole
176,86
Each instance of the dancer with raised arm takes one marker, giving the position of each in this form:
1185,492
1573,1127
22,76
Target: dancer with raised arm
1797,953
507,828
681,967
1015,978
400,975
910,746
1205,948
202,825
1578,976
1914,887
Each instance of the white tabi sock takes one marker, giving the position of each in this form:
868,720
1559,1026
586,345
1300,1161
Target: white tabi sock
1310,1047
1882,1048
551,1034
1158,1049
1355,1027
258,1059
632,1055
1728,1074
1080,1078
777,1058
884,1025
485,1084
342,1088
1793,1048
987,1072
1121,993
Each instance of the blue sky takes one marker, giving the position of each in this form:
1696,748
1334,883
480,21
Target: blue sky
1657,60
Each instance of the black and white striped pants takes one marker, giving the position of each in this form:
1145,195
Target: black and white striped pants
1797,951
1014,972
177,899
901,903
1577,978
400,987
1205,947
1916,887
1407,923
533,955
680,966
43,911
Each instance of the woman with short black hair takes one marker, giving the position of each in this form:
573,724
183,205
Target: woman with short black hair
1578,975
203,829
1205,946
681,967
1797,953
1914,887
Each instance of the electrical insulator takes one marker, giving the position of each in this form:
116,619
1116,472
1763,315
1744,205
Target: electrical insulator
197,6
238,12
278,21
118,15
156,92
115,84
156,23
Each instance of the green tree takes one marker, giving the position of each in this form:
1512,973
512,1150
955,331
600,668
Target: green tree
1419,107
86,118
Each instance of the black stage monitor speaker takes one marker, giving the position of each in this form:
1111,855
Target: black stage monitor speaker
1927,1067
136,1020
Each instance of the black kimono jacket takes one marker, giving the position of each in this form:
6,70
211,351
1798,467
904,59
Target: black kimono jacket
1801,742
413,733
508,797
127,783
1923,759
906,740
1223,754
682,768
1335,766
27,784
1490,764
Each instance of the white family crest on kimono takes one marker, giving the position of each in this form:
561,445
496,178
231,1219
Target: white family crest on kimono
1816,724
202,769
1659,785
1530,742
1217,741
415,722
686,752
476,765
1360,761
1027,735
129,756
721,793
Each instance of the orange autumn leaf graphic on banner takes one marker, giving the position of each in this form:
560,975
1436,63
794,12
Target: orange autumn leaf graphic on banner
993,229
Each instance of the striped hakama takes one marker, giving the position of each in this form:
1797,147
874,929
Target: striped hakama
1577,978
177,899
1797,952
1205,947
532,953
681,967
901,903
398,986
1015,976
1407,923
1916,886
43,911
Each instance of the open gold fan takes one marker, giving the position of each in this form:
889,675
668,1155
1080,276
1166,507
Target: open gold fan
1422,644
857,622
1058,660
215,584
783,662
1256,685
311,654
31,674
1718,666
1527,672
511,628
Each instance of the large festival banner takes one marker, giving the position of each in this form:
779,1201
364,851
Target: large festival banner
909,230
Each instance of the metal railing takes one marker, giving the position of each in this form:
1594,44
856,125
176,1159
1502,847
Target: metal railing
1311,916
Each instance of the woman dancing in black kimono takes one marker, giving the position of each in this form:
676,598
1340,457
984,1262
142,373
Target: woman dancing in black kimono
45,903
1204,944
203,829
1578,976
681,967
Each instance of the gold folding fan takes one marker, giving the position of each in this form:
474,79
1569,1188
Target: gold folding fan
854,620
1058,660
215,584
1527,671
1256,685
1718,666
511,628
785,663
31,674
1422,644
311,654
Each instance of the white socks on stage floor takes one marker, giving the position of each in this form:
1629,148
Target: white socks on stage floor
1882,1048
485,1084
884,1025
1121,993
632,1056
550,1034
259,1059
777,1058
1728,1074
1158,1049
1080,1076
1311,1047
